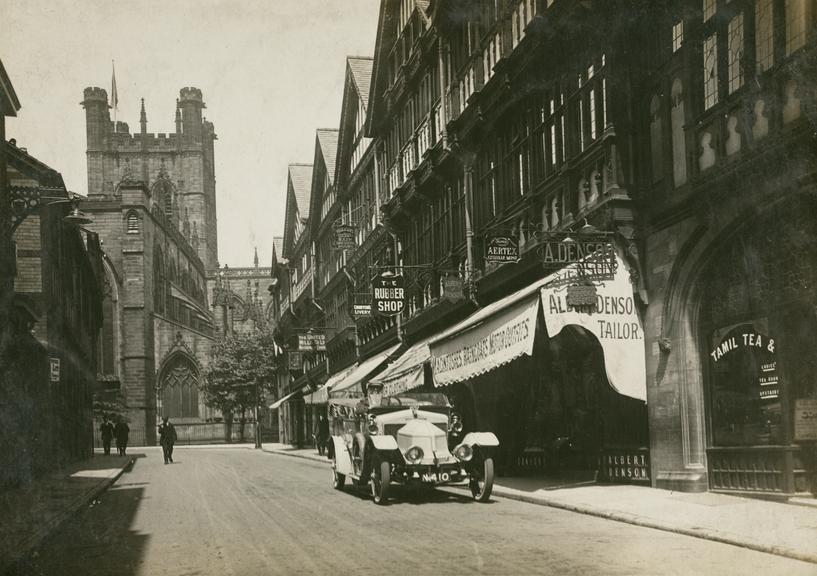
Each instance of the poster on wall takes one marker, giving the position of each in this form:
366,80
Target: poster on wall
613,320
805,420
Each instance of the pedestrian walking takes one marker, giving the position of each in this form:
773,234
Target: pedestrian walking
121,432
321,433
167,437
106,429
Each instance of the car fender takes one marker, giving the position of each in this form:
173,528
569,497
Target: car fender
342,456
384,443
483,439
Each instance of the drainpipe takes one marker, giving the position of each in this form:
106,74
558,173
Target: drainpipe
468,169
441,73
314,267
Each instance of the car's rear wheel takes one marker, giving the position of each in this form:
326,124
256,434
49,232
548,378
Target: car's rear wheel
381,478
338,480
482,481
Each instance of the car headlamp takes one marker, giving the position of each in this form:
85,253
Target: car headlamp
414,454
372,426
463,452
455,427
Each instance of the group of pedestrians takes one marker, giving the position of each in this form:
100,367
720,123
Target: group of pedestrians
121,430
109,431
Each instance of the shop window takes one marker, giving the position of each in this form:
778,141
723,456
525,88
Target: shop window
745,391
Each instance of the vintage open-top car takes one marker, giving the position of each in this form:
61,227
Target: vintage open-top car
412,439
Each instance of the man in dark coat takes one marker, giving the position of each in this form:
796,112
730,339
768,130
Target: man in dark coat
106,430
167,437
121,432
322,434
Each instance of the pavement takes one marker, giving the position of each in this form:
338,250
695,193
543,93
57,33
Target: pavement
30,514
782,528
33,512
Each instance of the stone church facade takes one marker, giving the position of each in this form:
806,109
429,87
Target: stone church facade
152,198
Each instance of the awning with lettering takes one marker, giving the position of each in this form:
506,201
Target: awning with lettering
487,339
405,373
321,395
351,384
614,322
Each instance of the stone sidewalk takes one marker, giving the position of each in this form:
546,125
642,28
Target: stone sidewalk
29,514
785,529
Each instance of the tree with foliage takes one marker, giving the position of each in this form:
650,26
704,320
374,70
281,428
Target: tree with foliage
240,375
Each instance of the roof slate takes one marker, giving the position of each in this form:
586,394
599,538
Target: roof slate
328,141
301,177
362,74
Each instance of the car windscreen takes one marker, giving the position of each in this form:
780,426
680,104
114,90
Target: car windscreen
416,399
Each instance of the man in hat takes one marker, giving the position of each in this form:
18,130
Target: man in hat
167,437
106,430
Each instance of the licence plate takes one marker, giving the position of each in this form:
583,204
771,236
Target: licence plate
437,476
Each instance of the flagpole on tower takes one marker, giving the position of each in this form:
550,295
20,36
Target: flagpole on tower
114,95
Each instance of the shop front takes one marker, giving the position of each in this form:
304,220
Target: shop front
757,332
562,384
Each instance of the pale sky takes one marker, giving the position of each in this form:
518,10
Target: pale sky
271,72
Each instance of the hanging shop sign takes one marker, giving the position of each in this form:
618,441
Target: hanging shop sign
561,250
295,362
582,296
345,237
54,366
361,310
452,288
388,295
805,419
613,320
600,266
501,249
312,342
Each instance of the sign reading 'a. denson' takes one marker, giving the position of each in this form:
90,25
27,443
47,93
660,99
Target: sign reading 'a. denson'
388,295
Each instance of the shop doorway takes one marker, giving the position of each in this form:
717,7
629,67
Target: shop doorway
555,414
758,332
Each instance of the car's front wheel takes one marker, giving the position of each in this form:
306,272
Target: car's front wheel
338,480
482,480
381,478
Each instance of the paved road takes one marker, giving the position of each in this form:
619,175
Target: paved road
235,511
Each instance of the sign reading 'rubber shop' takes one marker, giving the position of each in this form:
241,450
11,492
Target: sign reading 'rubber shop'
388,295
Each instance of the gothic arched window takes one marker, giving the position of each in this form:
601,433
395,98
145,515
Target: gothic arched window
163,195
178,388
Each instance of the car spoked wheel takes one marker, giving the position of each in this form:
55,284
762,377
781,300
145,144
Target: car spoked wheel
338,480
381,478
482,480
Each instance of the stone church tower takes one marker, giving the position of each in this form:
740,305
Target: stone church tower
179,165
153,201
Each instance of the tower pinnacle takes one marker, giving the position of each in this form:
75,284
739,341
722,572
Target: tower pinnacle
143,119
